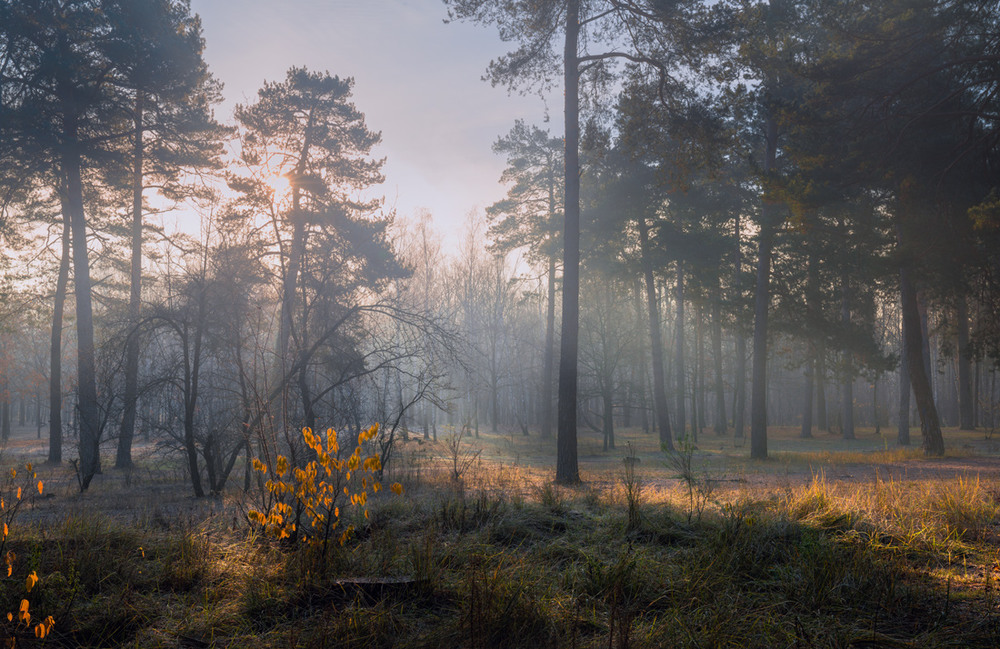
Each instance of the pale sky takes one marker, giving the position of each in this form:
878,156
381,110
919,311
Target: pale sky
417,80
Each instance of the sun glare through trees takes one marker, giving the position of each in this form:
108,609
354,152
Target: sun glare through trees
711,362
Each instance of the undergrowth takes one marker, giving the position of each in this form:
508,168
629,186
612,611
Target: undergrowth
886,564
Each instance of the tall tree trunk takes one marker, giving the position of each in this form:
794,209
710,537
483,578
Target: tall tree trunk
762,300
930,426
89,409
289,286
740,380
192,372
123,456
819,379
976,393
679,370
655,340
875,412
698,404
608,424
966,404
55,354
567,470
550,352
903,414
721,424
494,396
925,343
807,398
5,415
847,385
814,316
288,290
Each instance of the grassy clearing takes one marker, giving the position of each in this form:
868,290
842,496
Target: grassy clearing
892,564
701,554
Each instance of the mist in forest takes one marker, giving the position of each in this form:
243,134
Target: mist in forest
752,215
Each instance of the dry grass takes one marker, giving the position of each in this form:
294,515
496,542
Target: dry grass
831,547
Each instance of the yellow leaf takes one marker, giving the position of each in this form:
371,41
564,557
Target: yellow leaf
30,581
39,487
397,488
368,434
23,615
39,631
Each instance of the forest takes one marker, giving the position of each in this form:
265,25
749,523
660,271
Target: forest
719,369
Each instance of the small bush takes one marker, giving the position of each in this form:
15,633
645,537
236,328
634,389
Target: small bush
308,497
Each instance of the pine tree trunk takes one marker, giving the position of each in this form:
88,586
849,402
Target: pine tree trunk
740,380
88,407
847,385
608,427
699,404
807,399
123,457
5,416
819,381
930,426
967,407
721,424
550,352
655,340
55,351
762,300
567,470
903,414
679,370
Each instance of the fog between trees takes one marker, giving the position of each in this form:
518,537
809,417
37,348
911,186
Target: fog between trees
760,214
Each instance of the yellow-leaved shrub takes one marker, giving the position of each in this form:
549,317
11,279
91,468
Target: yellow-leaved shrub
11,498
306,502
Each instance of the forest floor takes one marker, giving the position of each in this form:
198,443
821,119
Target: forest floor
828,543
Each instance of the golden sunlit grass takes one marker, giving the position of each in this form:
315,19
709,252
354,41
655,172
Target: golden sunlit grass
820,458
703,548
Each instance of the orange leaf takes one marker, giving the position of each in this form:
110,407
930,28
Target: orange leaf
30,581
39,487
